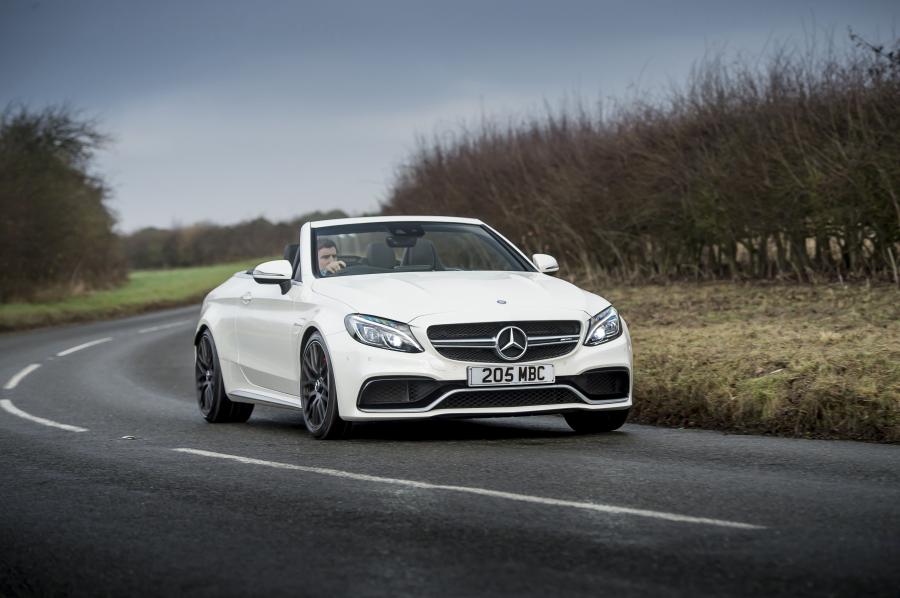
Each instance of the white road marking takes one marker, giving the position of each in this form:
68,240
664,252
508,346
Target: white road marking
71,350
587,506
14,381
164,326
7,406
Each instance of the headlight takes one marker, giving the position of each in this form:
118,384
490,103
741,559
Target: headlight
379,332
604,327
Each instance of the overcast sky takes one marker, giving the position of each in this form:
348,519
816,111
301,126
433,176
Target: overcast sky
222,110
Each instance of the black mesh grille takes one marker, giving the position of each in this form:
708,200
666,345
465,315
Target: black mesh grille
488,355
403,393
418,393
514,397
605,383
385,391
602,384
490,329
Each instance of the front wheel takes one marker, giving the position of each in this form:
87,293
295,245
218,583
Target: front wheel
214,404
587,422
319,395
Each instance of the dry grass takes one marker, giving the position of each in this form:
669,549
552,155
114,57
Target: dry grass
807,361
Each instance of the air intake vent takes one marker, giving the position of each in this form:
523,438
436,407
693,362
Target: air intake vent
518,397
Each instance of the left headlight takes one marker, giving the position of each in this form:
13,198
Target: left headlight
604,327
383,333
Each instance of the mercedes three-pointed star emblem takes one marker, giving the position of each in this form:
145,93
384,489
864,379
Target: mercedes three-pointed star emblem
511,343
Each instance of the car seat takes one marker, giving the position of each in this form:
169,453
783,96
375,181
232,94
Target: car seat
380,255
422,254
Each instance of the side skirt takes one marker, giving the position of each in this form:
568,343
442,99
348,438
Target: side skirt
265,398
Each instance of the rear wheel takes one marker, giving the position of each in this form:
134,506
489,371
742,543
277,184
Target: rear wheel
214,404
320,410
587,422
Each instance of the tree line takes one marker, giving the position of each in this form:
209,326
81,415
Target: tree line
788,170
58,235
57,231
207,243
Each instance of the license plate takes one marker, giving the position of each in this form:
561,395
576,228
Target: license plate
504,375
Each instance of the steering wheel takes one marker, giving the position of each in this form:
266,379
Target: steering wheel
350,260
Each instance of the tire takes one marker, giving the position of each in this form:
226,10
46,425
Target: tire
214,404
589,422
318,393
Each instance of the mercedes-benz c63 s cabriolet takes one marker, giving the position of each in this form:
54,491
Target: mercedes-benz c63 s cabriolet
392,318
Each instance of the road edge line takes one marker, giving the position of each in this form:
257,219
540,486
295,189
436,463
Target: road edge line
8,406
164,326
18,377
71,350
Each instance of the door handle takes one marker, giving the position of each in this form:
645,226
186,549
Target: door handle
246,298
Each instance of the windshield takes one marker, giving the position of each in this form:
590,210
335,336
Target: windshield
384,247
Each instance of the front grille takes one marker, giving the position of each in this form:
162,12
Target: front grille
514,397
479,332
441,332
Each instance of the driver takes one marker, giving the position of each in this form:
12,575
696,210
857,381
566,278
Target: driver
328,262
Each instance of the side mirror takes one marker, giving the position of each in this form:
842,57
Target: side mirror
545,263
275,272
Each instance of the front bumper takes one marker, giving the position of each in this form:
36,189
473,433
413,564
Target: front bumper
357,367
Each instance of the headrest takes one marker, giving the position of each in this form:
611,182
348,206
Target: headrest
422,254
380,255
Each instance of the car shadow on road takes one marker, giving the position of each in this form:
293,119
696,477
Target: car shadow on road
523,429
527,429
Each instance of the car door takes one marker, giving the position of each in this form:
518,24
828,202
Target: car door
266,333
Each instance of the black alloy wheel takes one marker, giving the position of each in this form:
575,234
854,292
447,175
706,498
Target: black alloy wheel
320,410
214,404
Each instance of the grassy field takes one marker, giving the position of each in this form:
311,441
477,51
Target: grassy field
145,290
807,361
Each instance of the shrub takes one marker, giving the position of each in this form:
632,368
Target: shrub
790,170
57,232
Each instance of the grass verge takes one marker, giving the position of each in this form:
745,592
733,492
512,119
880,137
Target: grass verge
805,361
145,290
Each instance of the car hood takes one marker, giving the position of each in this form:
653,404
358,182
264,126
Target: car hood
405,296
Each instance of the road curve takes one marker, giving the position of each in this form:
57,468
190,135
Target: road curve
114,484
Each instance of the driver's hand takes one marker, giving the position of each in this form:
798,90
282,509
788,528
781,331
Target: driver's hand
335,266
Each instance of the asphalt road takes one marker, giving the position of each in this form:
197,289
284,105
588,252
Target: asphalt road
458,507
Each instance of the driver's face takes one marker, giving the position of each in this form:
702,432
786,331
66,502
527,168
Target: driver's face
326,256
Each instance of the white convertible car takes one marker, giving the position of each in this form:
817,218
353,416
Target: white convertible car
409,318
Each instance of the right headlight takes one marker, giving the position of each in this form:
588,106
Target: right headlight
604,327
381,332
